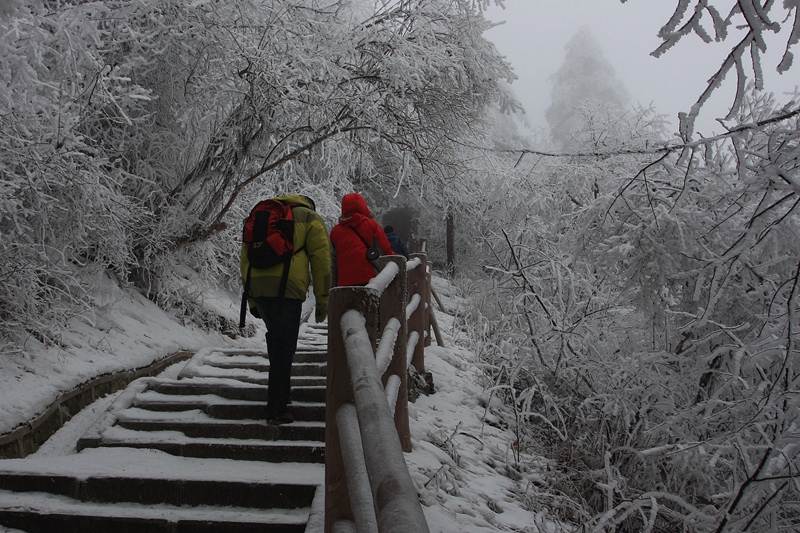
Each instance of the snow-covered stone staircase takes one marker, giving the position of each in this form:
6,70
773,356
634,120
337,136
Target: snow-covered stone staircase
187,454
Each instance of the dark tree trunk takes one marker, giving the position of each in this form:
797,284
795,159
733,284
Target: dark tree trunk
450,237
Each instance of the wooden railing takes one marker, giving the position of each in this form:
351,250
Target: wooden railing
373,332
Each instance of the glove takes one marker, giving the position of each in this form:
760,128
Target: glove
321,314
254,312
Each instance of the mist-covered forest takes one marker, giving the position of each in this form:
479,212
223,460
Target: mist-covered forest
634,292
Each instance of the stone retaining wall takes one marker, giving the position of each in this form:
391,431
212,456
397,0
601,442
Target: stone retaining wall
27,438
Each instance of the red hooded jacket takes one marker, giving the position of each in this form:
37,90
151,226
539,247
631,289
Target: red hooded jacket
350,251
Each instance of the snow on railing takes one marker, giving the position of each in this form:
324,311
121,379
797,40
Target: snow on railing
367,483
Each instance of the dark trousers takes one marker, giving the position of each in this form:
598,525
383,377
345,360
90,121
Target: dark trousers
282,318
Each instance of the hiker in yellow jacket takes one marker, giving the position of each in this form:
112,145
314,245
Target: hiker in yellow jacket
311,261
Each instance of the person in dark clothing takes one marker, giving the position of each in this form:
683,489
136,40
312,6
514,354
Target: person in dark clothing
312,260
399,246
351,238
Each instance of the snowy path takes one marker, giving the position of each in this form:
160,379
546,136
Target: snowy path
190,451
462,463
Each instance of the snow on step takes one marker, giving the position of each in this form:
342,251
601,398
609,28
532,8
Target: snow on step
133,462
48,504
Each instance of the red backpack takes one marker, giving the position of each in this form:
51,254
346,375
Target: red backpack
268,236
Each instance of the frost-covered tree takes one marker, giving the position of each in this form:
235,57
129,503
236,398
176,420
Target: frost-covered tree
649,328
142,130
749,24
648,294
585,75
707,252
65,207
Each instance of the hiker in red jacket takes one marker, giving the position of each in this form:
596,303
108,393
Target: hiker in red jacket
355,233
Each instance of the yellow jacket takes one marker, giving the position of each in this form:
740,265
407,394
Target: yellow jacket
312,248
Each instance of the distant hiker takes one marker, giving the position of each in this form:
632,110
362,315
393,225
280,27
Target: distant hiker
276,293
357,241
399,246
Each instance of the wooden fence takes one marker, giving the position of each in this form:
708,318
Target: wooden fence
373,334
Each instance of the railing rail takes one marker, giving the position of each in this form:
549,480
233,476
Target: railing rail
373,331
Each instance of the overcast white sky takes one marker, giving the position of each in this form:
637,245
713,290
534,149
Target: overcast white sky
535,32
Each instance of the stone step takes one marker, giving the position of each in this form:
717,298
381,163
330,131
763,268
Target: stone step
242,429
38,512
211,423
232,358
298,369
149,491
312,356
303,374
262,379
235,391
283,451
224,410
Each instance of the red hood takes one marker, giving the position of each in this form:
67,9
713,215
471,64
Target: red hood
354,204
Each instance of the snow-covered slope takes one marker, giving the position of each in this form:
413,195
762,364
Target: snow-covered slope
463,462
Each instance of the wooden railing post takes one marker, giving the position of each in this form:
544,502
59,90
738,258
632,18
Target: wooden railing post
416,322
428,308
339,391
366,381
394,495
393,306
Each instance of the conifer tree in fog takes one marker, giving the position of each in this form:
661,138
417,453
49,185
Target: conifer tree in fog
585,75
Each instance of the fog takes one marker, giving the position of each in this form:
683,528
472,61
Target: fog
534,33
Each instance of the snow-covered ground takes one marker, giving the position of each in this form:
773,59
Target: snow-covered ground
463,461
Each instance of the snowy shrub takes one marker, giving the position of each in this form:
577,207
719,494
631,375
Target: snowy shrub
646,332
62,202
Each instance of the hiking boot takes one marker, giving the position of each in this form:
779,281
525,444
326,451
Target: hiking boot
277,420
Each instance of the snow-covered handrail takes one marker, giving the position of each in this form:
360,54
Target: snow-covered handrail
383,355
413,263
357,477
384,277
368,337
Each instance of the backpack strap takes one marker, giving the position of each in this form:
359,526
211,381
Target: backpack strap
369,247
281,287
287,263
243,310
360,237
